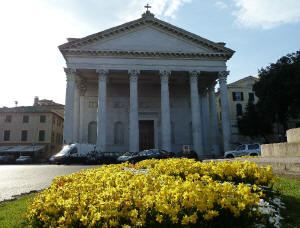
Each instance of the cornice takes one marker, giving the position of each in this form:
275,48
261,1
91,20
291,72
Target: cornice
145,54
150,21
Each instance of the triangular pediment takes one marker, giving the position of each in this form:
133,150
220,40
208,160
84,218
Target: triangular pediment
146,35
147,39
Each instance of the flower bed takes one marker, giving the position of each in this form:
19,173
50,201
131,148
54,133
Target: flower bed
166,193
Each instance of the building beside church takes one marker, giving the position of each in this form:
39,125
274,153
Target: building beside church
32,130
146,84
239,94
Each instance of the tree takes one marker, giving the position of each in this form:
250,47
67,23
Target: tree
278,89
254,123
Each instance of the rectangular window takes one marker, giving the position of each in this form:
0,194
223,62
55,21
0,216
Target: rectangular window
41,135
25,119
237,96
8,119
6,135
251,97
24,135
42,119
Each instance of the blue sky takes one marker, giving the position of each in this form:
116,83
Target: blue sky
260,31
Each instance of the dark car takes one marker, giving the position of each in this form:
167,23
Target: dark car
145,154
24,160
95,157
183,154
5,159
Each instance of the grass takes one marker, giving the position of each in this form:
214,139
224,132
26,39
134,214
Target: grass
12,212
290,195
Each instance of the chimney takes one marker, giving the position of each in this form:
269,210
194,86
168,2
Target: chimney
36,101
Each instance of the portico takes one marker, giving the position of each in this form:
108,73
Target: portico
146,70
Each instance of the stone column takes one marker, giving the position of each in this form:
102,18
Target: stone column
196,115
101,120
76,111
205,121
133,112
213,122
225,110
69,106
82,90
165,111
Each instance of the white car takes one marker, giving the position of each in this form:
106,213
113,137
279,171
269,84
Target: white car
244,150
24,159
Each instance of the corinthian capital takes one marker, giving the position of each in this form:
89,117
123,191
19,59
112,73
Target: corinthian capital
82,86
164,75
70,73
223,76
133,75
102,74
194,75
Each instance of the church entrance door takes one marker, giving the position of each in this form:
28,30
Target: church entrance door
146,131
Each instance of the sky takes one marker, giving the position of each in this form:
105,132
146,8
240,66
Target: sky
260,31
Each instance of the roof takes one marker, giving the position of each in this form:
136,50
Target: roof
74,46
243,79
29,109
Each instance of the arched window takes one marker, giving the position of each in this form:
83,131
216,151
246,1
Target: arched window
239,110
119,133
92,132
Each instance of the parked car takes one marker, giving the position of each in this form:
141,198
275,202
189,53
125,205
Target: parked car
24,159
191,155
145,154
244,150
5,159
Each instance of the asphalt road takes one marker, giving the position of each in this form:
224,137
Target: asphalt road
19,179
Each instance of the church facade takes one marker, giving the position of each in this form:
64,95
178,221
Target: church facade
146,84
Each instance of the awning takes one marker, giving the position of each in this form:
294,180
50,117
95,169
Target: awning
18,149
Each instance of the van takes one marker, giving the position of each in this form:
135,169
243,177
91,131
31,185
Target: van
74,153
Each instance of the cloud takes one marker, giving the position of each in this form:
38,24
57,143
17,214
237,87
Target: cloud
221,5
266,14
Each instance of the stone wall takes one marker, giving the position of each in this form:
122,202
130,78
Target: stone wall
288,149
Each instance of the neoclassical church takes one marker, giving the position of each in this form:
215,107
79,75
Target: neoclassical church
146,84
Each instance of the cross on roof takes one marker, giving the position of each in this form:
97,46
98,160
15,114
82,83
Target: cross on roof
147,7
